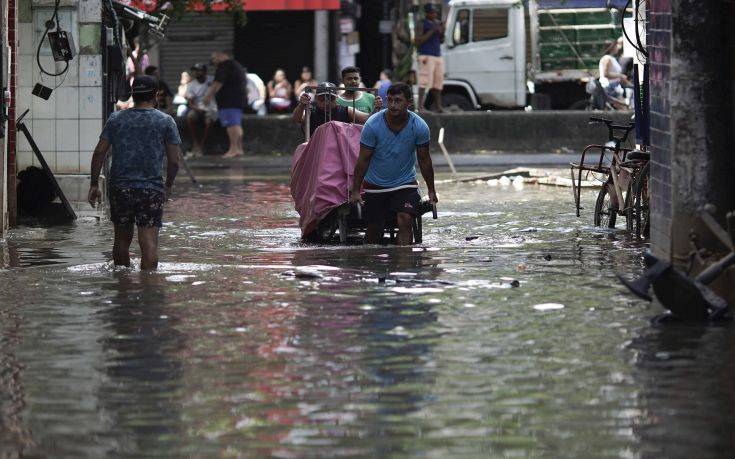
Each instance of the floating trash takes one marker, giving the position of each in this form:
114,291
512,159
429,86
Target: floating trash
548,306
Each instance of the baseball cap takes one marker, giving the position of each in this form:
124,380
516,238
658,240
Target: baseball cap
199,66
326,88
431,8
143,84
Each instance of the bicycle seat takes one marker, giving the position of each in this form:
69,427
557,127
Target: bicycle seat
638,155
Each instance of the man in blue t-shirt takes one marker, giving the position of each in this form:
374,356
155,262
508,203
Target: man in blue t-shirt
391,141
139,138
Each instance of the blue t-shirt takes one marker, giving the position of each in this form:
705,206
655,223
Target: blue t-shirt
394,153
432,46
139,137
383,89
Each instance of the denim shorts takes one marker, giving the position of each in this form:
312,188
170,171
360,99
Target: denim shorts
142,206
230,117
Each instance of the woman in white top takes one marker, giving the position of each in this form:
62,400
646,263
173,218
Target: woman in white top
612,78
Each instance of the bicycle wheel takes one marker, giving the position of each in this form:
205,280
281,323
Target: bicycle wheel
642,204
606,207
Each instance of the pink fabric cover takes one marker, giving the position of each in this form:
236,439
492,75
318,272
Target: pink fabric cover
322,170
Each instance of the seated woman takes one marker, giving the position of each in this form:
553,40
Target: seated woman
612,78
280,92
326,109
306,79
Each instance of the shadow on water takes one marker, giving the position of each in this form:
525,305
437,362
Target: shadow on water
688,390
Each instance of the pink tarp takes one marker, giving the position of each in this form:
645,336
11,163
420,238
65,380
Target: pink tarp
321,172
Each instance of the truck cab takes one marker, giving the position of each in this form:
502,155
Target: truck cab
513,53
485,54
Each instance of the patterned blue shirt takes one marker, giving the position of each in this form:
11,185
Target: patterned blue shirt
139,137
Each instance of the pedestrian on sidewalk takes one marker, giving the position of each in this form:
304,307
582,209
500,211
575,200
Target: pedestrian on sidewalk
199,116
140,138
229,89
429,37
305,80
390,144
384,82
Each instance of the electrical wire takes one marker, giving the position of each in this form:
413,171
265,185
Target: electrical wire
54,21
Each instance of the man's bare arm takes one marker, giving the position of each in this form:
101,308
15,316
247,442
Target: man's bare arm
357,115
363,162
173,153
213,89
427,170
98,160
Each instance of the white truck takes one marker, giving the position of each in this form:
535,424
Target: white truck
513,53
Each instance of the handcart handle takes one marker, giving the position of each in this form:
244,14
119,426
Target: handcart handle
433,211
358,207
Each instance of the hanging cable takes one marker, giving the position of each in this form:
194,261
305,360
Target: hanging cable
54,21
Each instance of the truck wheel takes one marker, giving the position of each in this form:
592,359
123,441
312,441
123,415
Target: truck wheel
456,102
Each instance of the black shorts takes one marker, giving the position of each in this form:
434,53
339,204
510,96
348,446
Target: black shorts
142,206
380,206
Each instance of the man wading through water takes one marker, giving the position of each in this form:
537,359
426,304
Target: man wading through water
140,137
390,143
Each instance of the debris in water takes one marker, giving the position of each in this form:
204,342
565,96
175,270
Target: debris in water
381,280
471,238
547,257
515,283
504,181
548,306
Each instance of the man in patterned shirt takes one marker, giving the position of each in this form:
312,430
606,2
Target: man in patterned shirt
139,138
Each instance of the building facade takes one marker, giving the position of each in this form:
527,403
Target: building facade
692,118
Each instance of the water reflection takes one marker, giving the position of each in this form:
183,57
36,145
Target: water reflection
688,395
142,365
248,343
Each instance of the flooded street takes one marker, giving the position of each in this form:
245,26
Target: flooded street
248,343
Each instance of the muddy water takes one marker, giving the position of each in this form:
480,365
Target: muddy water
250,344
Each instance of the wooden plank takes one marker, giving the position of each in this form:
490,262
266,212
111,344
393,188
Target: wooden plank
22,127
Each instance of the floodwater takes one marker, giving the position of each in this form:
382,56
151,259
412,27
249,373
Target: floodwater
247,343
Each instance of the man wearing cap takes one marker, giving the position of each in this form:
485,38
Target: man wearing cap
139,139
429,37
326,109
229,90
391,142
199,114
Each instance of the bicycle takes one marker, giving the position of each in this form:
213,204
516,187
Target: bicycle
624,192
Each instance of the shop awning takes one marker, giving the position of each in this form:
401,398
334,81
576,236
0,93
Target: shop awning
250,5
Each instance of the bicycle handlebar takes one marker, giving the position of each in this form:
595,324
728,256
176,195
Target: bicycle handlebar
611,128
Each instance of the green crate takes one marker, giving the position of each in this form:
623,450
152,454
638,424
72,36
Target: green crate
557,35
555,51
601,35
597,17
544,19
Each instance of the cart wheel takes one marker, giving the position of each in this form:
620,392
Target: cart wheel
606,207
641,204
343,229
417,225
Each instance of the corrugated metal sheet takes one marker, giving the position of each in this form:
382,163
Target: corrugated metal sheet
192,38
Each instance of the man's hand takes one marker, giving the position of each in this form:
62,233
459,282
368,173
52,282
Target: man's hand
207,99
94,196
432,197
355,197
378,105
305,100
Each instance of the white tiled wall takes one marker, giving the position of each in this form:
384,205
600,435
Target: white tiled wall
65,127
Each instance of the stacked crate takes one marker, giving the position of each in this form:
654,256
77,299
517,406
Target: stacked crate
589,31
